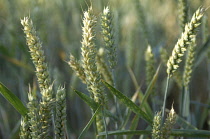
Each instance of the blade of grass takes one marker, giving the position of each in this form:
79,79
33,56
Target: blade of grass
89,123
13,100
175,132
184,124
150,87
125,100
92,104
128,111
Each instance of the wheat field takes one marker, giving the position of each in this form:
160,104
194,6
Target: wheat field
130,69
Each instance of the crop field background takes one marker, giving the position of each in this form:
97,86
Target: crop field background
137,24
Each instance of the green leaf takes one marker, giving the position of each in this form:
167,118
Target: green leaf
147,107
150,87
190,133
92,104
184,124
175,132
129,103
13,100
89,123
127,132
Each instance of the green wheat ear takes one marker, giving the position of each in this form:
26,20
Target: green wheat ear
60,121
89,51
183,13
189,63
37,54
33,114
45,111
103,68
169,123
156,127
150,61
184,41
108,36
24,128
76,66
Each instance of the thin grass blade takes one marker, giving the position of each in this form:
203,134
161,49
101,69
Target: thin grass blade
175,132
150,87
89,123
13,100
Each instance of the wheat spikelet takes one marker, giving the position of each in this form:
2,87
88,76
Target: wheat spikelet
76,66
184,41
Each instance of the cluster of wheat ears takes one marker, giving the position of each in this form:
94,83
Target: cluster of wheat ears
45,116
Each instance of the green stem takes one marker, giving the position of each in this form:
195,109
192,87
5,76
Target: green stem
115,98
186,103
105,125
165,95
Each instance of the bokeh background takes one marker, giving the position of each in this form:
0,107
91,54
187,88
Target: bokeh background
58,24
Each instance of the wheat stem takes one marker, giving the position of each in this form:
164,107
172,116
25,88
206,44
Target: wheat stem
165,96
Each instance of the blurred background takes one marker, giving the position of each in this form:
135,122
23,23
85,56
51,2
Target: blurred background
58,24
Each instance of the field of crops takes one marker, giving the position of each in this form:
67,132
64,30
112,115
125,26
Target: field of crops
104,69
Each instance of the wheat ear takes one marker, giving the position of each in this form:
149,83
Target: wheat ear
24,128
108,36
150,61
33,114
60,121
156,127
103,68
45,111
189,63
76,66
37,54
168,125
93,78
183,13
184,41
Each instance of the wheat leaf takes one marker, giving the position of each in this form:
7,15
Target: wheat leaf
125,100
13,100
92,104
89,123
